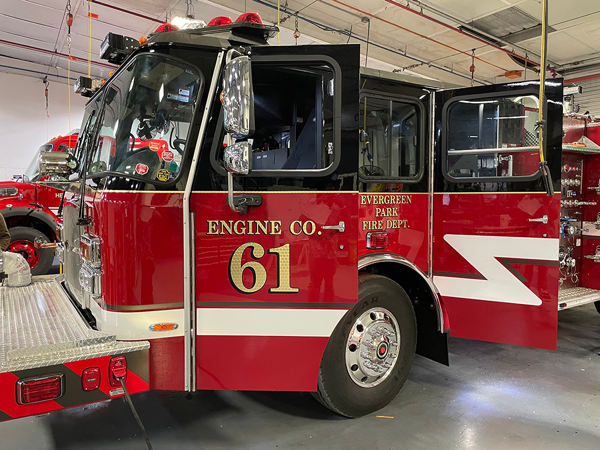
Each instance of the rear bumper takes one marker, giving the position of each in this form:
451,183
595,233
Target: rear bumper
42,333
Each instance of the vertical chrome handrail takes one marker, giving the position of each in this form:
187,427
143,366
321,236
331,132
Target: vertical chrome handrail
431,182
188,269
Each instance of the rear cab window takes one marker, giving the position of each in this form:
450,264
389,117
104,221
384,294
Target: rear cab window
491,138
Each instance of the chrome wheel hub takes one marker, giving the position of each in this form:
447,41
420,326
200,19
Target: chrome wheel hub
372,347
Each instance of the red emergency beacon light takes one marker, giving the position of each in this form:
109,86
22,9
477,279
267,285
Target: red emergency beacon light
220,21
166,28
250,18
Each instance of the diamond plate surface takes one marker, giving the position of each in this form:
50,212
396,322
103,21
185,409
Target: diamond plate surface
577,296
39,326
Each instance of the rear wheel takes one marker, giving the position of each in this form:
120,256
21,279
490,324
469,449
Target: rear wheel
370,353
597,305
23,240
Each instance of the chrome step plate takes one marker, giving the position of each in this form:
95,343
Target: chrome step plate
576,296
39,326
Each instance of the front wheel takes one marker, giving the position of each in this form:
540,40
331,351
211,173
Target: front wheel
23,240
370,352
597,305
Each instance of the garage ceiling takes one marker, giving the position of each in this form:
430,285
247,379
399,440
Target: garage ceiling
432,38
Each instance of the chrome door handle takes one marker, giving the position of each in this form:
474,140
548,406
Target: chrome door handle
341,227
543,219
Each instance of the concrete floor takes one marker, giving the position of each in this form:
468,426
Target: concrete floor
493,397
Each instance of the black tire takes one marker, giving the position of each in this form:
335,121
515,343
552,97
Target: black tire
597,305
46,255
336,389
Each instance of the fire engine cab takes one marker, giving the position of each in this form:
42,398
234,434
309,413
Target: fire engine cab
309,226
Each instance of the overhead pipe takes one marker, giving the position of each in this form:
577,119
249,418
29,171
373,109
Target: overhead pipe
422,36
464,24
349,35
586,78
576,71
52,52
36,72
116,8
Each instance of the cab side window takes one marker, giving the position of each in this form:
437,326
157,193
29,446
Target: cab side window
390,141
491,138
293,108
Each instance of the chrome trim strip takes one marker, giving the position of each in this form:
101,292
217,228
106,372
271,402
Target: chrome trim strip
193,300
374,258
431,183
188,272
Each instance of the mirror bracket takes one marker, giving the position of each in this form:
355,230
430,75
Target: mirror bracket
243,202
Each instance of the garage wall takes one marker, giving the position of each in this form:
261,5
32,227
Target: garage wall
23,123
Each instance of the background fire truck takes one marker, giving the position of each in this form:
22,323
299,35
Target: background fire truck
30,203
311,226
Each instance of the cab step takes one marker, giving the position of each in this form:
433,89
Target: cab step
576,296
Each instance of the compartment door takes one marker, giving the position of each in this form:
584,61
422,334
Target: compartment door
495,229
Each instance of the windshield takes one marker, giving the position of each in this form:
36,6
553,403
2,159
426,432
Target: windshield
31,174
148,110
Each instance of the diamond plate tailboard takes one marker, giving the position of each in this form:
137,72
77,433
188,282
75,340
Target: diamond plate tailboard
39,327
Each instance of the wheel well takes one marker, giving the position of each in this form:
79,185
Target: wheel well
431,343
31,222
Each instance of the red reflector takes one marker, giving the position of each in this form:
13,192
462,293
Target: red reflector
377,239
166,28
221,20
90,378
34,390
250,18
117,368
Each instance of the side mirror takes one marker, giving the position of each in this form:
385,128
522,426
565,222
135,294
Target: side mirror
238,158
238,97
56,164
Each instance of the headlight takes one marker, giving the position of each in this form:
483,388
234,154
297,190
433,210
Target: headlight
8,191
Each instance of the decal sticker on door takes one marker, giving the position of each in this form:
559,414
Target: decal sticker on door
142,169
492,256
236,269
162,175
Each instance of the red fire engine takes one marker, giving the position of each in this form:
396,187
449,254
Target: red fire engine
30,206
310,227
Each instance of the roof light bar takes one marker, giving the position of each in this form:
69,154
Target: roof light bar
166,28
188,23
220,21
250,17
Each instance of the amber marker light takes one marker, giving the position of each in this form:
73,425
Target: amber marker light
163,327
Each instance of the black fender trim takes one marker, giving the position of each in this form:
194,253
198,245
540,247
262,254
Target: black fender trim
30,211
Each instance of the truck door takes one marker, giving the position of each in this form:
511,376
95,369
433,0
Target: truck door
272,283
496,230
